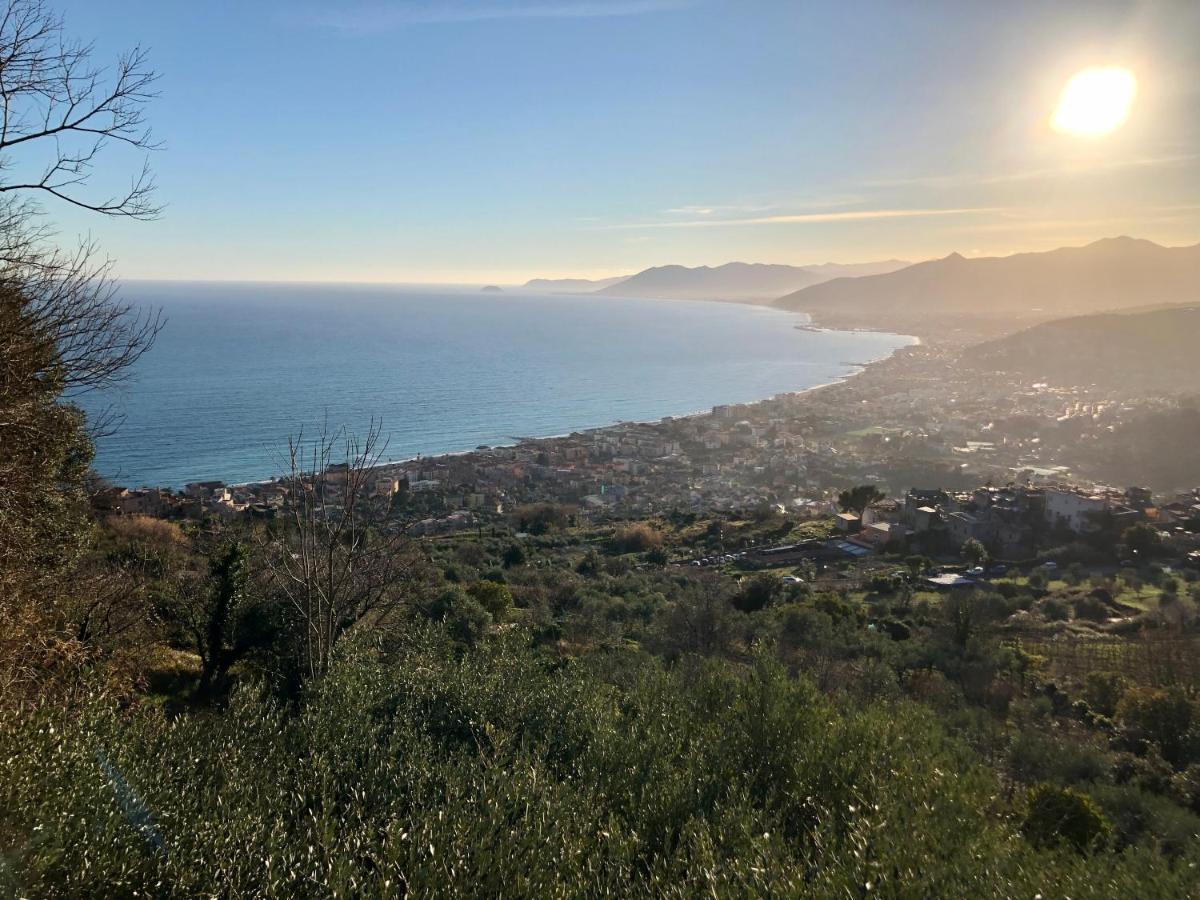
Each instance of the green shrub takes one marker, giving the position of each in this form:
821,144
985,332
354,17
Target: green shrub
1060,816
492,596
1038,757
1164,716
1091,608
1103,691
1140,817
1056,609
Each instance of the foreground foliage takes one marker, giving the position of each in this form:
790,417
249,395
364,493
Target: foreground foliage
501,770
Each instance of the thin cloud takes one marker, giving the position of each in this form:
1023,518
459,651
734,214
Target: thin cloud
715,209
858,215
967,179
1126,224
376,17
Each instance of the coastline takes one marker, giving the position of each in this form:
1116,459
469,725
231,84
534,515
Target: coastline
857,369
259,466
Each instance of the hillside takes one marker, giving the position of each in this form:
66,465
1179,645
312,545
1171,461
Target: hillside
570,285
736,280
1155,351
999,293
829,271
732,281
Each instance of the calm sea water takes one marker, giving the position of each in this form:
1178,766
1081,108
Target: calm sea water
239,367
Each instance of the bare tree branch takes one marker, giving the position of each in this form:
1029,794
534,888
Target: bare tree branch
341,559
51,95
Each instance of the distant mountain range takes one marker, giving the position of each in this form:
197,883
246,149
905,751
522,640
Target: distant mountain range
735,280
1110,274
732,281
570,285
1157,351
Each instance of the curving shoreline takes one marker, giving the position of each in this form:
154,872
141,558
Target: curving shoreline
857,369
240,368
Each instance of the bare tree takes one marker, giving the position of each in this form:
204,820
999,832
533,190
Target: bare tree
341,559
62,327
53,96
110,600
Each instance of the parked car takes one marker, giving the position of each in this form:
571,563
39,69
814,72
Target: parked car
975,571
1050,566
792,579
999,569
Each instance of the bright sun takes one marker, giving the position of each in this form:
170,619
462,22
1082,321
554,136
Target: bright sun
1095,101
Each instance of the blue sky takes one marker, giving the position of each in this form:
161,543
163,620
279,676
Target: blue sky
496,140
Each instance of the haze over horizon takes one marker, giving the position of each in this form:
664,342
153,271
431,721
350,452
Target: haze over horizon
479,141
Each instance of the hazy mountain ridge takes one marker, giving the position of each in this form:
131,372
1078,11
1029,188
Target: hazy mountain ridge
831,270
571,285
736,280
1157,351
1109,274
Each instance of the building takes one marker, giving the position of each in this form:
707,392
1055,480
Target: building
848,522
1073,509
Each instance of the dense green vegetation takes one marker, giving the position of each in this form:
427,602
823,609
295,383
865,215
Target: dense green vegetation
582,716
501,770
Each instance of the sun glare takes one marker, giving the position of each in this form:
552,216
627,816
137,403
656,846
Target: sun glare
1095,101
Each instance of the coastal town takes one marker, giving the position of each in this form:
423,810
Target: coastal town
957,457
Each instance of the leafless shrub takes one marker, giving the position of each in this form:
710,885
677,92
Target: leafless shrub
340,559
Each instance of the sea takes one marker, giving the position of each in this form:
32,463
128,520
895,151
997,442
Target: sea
238,368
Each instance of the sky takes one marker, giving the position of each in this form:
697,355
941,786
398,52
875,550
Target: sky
477,141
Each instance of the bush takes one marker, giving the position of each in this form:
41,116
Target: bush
1164,716
1036,757
636,539
1060,816
590,565
1149,772
657,557
1055,609
1185,787
1103,691
542,518
758,592
1091,608
1141,817
464,617
492,596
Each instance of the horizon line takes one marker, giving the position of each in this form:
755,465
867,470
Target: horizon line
483,282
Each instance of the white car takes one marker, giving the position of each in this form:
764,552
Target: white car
975,571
